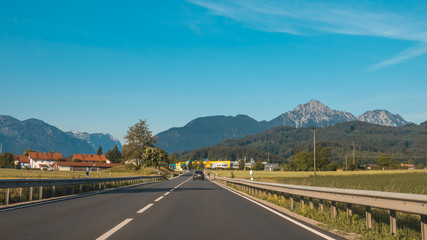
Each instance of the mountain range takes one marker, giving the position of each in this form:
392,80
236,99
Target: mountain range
16,136
208,131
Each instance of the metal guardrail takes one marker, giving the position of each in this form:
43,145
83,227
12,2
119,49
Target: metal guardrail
401,202
90,183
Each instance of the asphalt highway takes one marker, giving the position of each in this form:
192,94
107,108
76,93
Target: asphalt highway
172,209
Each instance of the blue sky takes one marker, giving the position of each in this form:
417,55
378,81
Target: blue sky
99,66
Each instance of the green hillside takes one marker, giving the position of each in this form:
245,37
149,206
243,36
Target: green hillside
404,144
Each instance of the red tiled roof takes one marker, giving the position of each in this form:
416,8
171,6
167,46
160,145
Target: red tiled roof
45,156
86,164
90,157
21,158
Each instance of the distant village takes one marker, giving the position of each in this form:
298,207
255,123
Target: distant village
55,161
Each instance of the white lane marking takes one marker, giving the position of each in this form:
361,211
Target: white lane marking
145,208
171,190
166,194
158,199
281,215
114,229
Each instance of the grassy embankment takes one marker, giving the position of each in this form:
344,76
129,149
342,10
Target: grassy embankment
120,171
403,181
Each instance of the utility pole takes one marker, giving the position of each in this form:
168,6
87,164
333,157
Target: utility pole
354,156
346,162
314,149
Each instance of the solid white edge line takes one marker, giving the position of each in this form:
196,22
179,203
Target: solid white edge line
280,214
114,229
145,208
159,198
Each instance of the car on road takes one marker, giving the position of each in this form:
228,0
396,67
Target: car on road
198,174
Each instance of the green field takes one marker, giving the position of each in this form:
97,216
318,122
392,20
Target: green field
113,172
403,181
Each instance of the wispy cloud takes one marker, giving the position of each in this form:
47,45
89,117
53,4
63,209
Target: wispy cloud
312,18
405,55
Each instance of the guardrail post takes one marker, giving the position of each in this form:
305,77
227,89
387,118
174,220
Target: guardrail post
53,191
72,189
41,193
282,197
333,209
30,194
100,187
81,188
63,190
349,209
310,200
269,194
301,200
105,185
423,227
321,205
368,217
20,194
6,197
291,202
393,225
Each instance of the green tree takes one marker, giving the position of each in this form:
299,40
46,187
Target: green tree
138,138
241,164
301,161
6,160
258,165
114,155
384,160
152,157
27,151
323,157
99,152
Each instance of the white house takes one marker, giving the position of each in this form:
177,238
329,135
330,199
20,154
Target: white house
48,160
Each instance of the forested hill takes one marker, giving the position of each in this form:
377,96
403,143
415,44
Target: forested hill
281,143
208,131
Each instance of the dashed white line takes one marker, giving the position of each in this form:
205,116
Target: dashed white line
145,208
158,199
166,194
114,229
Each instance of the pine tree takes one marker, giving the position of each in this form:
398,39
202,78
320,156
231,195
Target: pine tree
99,152
115,155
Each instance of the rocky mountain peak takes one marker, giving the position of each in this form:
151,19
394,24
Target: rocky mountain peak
382,117
311,107
313,113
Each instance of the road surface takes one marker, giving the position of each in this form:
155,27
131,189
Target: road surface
172,209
